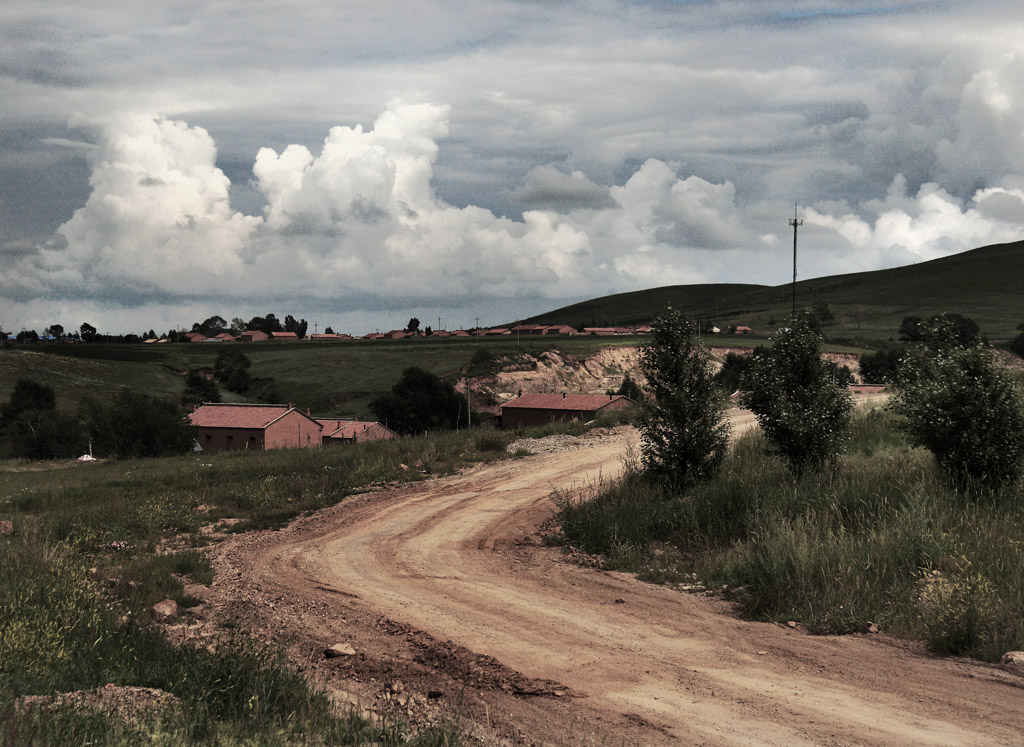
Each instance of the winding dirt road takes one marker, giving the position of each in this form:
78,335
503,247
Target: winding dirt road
450,600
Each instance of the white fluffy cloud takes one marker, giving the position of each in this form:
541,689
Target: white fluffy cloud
360,220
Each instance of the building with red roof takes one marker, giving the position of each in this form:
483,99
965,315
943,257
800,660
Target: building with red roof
284,336
342,431
541,409
240,427
253,335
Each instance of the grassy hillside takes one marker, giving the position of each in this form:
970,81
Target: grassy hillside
329,378
983,284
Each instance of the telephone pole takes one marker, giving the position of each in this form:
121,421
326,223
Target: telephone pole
796,224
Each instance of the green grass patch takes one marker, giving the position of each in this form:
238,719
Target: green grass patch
882,538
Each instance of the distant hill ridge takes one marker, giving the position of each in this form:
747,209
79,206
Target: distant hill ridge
985,284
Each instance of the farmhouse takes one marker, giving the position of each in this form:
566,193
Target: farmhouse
540,409
341,431
238,427
253,335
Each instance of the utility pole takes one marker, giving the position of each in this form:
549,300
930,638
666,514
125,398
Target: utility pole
796,224
439,322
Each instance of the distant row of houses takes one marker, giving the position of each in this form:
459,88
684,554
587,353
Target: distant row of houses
245,427
398,334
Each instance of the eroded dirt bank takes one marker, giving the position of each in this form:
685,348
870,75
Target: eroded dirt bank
451,601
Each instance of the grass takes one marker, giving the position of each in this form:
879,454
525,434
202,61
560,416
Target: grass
883,538
95,544
868,306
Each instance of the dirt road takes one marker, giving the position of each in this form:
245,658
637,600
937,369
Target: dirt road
447,595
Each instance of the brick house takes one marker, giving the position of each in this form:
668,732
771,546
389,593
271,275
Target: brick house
239,427
541,409
253,335
341,431
284,336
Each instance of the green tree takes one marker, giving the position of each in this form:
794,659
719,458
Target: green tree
730,375
419,401
881,366
87,331
823,314
413,325
137,425
683,428
232,370
32,428
1017,344
629,388
803,411
199,389
960,406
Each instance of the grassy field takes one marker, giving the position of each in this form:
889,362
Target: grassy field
332,379
89,555
982,284
882,539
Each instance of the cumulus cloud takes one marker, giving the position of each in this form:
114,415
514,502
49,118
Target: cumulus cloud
357,224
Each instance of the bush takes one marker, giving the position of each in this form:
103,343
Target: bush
963,409
419,402
683,427
882,366
802,410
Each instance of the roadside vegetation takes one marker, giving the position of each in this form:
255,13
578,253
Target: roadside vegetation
94,545
902,522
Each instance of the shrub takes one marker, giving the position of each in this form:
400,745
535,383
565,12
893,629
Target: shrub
963,409
418,402
882,366
683,427
802,410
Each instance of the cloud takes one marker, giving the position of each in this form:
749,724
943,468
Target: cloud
546,187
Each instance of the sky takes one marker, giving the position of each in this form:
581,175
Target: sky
356,164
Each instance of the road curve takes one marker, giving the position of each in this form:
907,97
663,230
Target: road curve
647,664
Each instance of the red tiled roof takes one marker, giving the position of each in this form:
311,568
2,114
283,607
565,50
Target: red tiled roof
343,428
284,335
560,402
218,415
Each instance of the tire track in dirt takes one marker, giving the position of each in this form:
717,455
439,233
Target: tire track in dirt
649,665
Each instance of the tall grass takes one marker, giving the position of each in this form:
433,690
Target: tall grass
882,538
92,548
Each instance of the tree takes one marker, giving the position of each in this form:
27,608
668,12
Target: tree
731,373
629,388
1017,344
413,325
199,389
910,328
237,326
683,428
87,331
211,327
881,366
960,406
137,425
419,401
802,410
55,330
232,370
822,314
31,426
328,331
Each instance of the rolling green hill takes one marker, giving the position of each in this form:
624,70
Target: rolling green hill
984,284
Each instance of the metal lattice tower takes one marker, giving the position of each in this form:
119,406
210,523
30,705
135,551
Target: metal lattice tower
795,224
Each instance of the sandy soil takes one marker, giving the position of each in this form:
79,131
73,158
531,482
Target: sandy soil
453,604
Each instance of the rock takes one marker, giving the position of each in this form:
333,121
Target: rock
164,612
791,623
339,649
1013,661
403,467
6,528
620,600
869,627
